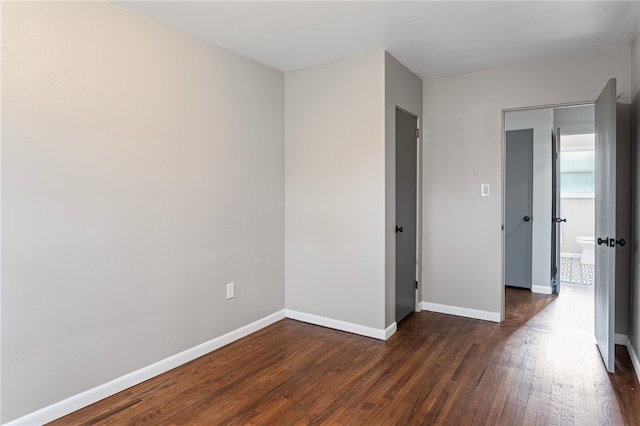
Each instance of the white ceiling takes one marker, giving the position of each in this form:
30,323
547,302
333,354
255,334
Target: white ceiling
432,38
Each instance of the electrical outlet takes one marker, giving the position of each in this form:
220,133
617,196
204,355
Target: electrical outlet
231,290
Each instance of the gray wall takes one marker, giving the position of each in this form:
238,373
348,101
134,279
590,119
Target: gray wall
340,186
142,170
402,89
634,333
335,190
463,148
541,121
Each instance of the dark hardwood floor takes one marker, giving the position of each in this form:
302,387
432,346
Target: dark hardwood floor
540,366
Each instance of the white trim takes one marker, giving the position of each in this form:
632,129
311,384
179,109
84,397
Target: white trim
620,339
574,148
390,331
546,106
462,312
541,289
634,358
571,255
83,399
570,195
363,330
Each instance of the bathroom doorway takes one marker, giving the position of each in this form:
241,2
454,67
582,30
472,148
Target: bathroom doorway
577,208
563,194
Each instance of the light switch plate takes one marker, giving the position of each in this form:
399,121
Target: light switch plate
231,290
484,190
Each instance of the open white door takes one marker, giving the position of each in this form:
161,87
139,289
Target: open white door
605,277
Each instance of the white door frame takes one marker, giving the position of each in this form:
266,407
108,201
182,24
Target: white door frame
503,188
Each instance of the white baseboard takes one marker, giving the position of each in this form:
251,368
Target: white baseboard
390,331
81,400
461,312
634,358
376,333
620,339
542,289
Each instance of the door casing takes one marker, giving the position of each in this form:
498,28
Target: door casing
503,188
556,209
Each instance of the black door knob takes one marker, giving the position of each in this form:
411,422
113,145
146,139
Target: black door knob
558,220
601,241
399,229
526,218
621,242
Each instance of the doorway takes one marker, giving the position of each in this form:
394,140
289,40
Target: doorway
561,212
567,134
406,212
576,215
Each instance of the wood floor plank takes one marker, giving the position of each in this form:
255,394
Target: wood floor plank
540,366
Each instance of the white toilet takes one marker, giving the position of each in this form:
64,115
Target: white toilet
588,250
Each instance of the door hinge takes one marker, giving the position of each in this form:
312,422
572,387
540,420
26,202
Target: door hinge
555,155
417,133
416,285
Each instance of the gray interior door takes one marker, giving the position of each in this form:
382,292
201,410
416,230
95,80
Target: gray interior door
555,211
605,276
406,196
518,207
